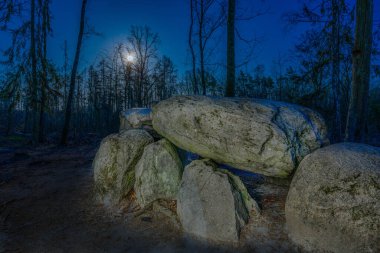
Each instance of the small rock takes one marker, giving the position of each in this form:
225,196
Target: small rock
135,118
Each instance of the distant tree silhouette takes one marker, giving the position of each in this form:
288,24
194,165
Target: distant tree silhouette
66,125
209,16
361,55
230,85
328,41
192,51
34,67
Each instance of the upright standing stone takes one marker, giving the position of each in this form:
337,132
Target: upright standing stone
158,173
212,203
114,163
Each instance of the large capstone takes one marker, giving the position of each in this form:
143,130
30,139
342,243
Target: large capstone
135,118
115,161
158,173
213,204
260,136
333,203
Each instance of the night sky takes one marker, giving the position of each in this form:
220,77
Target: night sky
170,19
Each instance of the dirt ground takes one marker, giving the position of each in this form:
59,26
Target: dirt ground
47,205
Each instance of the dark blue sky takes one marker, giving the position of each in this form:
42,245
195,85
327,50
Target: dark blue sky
170,19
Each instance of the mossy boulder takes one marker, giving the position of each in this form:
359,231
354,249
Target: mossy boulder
115,161
260,136
158,173
333,203
212,203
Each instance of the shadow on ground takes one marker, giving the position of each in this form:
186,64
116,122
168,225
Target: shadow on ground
47,205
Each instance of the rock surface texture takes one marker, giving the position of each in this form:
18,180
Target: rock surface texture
115,161
260,136
333,203
135,118
158,173
212,203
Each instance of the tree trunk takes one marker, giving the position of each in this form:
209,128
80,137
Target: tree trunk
45,13
26,119
230,85
34,70
194,70
66,126
9,121
130,90
361,55
65,66
201,47
335,82
203,77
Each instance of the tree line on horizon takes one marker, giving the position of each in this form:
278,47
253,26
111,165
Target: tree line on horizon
55,103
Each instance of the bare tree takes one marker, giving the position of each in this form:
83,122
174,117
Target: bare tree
230,86
361,55
34,67
66,126
142,45
65,67
335,80
164,78
277,72
192,51
209,16
127,72
331,20
44,6
24,54
8,9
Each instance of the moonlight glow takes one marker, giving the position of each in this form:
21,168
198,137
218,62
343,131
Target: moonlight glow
130,58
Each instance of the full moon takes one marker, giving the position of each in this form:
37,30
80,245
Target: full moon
130,58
